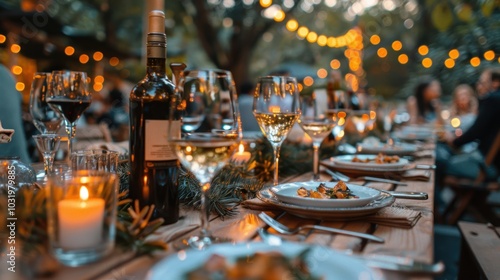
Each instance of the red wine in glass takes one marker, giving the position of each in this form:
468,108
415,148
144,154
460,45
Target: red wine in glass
70,109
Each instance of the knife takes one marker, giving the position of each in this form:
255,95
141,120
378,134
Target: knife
409,195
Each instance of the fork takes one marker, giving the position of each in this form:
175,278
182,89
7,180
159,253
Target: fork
279,227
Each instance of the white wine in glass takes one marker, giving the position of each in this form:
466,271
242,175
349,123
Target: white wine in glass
276,108
209,135
318,124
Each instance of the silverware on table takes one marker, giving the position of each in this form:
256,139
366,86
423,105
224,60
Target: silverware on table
386,262
402,264
286,230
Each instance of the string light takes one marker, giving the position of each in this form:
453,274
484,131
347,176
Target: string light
69,50
423,50
84,59
15,48
475,61
2,38
454,53
403,58
449,63
489,55
427,62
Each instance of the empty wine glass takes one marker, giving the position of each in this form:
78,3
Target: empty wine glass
45,119
204,134
276,107
47,144
70,97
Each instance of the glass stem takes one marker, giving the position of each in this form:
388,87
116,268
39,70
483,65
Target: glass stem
48,163
71,131
316,161
205,213
276,150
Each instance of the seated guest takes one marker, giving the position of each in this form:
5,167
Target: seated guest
484,130
11,117
464,105
424,105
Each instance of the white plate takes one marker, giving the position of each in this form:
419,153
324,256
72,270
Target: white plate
322,262
346,161
327,213
288,193
399,149
413,135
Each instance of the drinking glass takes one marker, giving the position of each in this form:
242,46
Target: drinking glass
276,107
47,144
363,120
318,124
45,119
81,215
70,97
208,120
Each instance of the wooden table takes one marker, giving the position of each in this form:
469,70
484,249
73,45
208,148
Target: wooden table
480,252
416,243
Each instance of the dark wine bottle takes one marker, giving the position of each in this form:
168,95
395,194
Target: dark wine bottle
154,168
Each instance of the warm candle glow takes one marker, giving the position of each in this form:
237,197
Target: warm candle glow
274,109
84,193
241,148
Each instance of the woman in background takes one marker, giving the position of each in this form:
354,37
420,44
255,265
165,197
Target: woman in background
424,106
464,105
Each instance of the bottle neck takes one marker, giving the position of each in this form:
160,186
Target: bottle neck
156,66
156,53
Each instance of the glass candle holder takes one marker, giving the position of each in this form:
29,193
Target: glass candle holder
81,211
97,159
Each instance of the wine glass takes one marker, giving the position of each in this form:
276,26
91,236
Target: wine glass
276,107
204,132
70,97
45,119
47,144
318,124
363,120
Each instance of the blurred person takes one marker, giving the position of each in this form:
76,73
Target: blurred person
484,130
11,117
424,106
464,106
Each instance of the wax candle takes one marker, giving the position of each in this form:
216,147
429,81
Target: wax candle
241,156
80,221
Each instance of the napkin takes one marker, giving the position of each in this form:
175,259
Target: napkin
395,216
416,175
171,232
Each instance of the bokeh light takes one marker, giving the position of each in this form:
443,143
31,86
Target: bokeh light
454,53
15,48
427,62
69,50
449,63
335,64
84,58
489,55
20,86
475,61
382,52
403,58
397,45
375,39
322,73
98,56
423,50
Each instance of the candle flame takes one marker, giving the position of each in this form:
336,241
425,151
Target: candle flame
84,193
274,109
241,148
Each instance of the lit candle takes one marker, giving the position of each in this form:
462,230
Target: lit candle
80,221
274,109
241,156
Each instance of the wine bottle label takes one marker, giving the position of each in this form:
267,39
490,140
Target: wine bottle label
157,147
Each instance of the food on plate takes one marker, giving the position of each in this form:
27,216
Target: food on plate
261,265
380,159
339,191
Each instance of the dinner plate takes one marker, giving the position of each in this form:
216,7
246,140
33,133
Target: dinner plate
322,262
413,135
329,213
347,161
399,149
288,193
388,172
